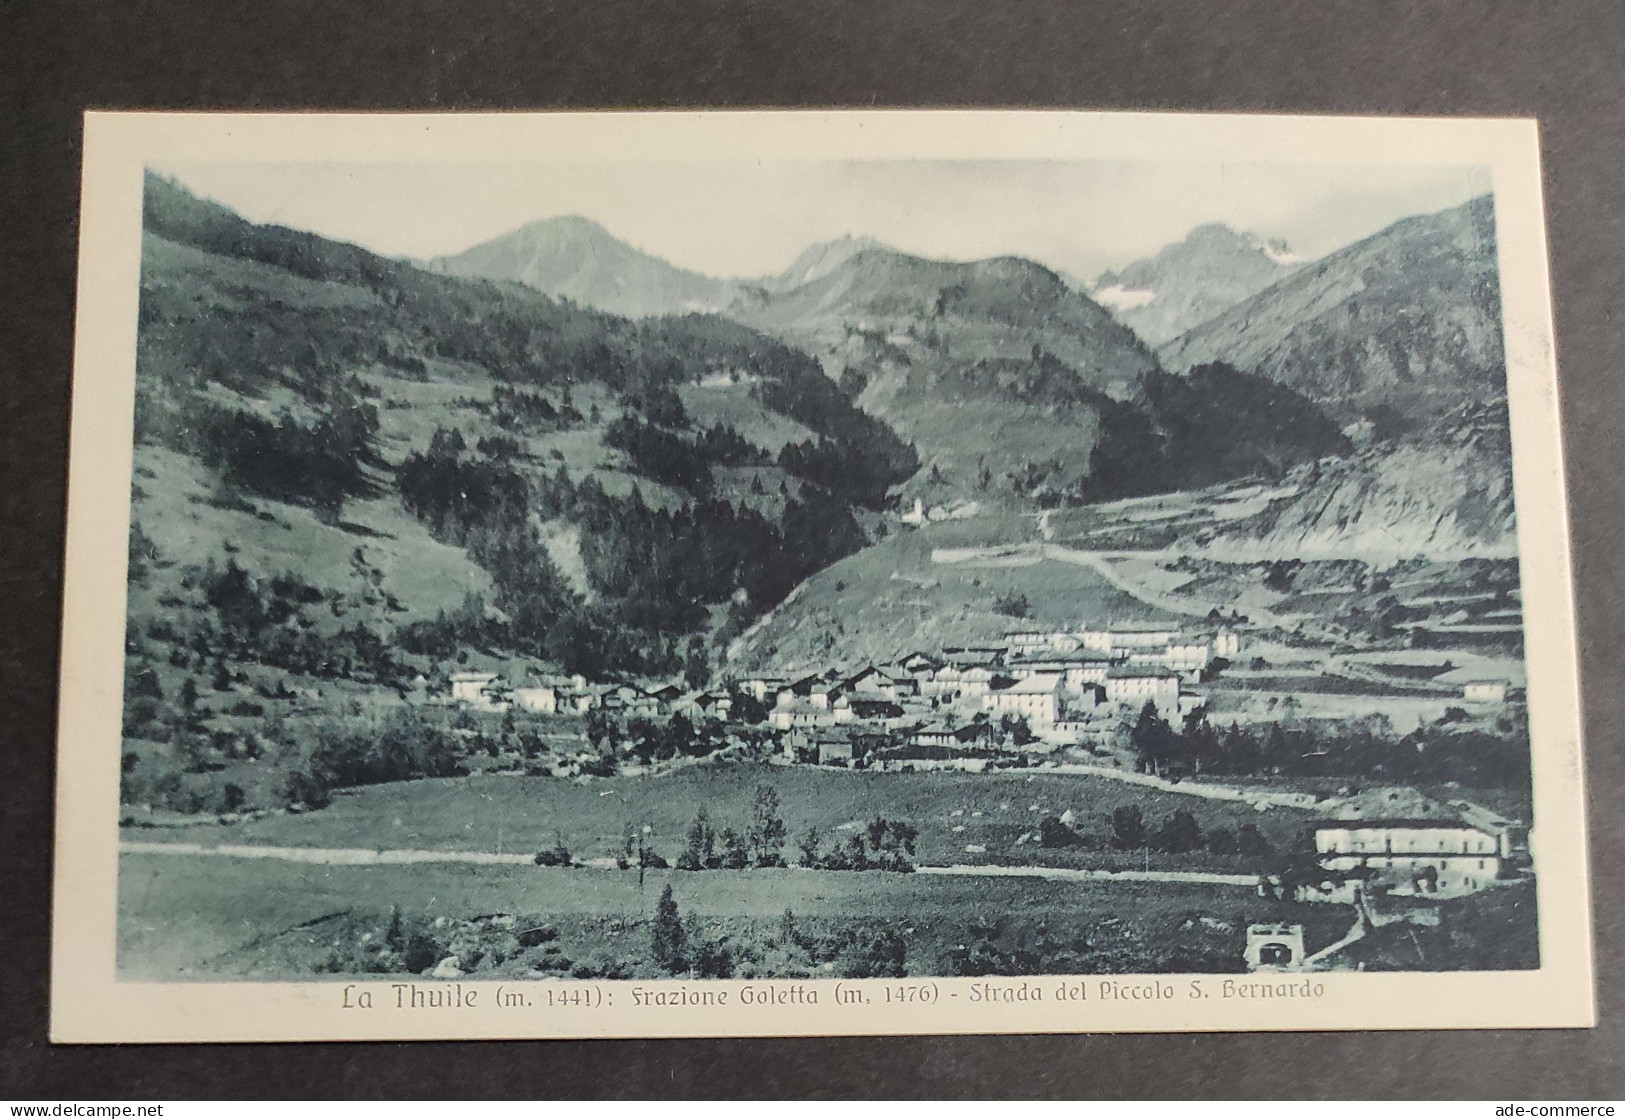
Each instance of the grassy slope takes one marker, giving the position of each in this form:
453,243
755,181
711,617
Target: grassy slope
890,599
733,406
423,574
959,439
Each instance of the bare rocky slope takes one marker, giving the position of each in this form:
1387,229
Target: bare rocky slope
1445,493
1400,335
1407,321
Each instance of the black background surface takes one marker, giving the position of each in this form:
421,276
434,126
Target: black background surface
1560,61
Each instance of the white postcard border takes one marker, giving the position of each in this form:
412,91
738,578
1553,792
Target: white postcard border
90,1004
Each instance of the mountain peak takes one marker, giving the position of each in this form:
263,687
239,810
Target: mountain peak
1215,232
819,260
567,223
1333,331
577,258
1187,282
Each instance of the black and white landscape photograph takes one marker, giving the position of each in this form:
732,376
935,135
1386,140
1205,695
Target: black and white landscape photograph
770,570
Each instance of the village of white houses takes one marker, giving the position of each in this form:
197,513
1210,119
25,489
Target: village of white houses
857,571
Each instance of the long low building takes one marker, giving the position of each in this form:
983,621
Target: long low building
1110,638
805,713
1078,672
1421,857
968,682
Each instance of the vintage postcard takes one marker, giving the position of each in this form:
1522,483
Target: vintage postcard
588,575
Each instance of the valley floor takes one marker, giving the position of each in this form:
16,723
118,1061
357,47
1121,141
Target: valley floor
451,862
269,918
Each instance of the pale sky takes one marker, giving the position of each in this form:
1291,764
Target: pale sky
753,218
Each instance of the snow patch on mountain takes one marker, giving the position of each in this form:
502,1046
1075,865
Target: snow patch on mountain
1280,254
1120,298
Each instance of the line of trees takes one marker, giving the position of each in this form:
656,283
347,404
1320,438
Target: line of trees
759,844
1364,749
1179,833
678,460
881,844
686,947
515,408
1177,432
273,620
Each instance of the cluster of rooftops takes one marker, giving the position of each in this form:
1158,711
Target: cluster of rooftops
1071,686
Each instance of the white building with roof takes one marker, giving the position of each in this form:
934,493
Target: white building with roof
1037,642
1128,637
1511,836
1485,691
760,688
1274,947
1188,656
1036,699
469,687
542,699
803,713
972,681
1078,673
1136,686
1433,857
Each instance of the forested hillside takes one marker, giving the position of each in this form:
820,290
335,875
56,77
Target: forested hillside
345,424
350,467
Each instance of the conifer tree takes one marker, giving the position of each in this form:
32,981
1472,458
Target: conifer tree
667,937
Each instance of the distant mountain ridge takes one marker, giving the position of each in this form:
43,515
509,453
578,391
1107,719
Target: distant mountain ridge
1408,320
817,261
1190,281
578,259
918,342
1000,307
